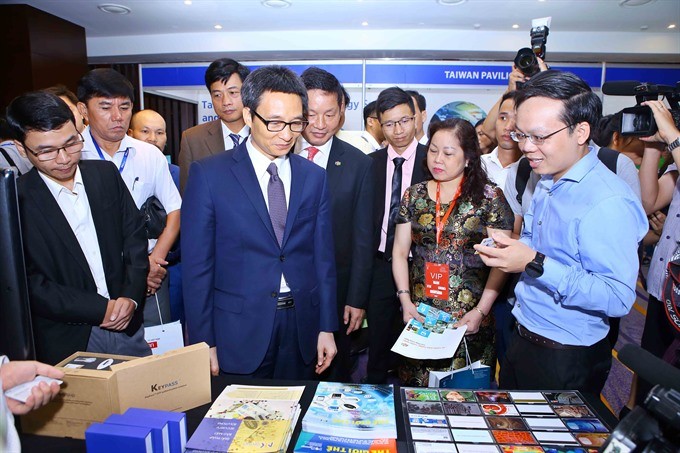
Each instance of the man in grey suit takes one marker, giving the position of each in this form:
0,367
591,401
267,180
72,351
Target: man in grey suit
350,182
223,78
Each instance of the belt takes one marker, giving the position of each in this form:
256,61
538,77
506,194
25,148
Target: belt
541,340
285,301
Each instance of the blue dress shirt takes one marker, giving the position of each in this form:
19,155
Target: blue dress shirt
588,225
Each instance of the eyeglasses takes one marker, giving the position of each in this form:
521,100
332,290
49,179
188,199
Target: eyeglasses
535,139
51,153
402,122
278,126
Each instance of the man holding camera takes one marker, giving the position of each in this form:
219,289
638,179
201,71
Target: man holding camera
574,272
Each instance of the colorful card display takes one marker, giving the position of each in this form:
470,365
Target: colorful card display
485,421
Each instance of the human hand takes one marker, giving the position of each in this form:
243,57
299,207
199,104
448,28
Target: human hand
19,372
667,132
214,363
325,351
509,255
542,65
656,221
516,76
353,317
118,314
156,273
473,319
410,311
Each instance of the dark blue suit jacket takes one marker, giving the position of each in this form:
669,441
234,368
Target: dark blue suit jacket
232,262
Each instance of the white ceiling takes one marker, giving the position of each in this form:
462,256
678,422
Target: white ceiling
400,28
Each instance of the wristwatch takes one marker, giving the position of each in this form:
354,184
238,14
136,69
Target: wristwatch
674,144
534,268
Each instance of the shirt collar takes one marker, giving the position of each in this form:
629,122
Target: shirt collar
260,161
127,143
55,188
408,154
370,139
582,167
324,149
244,132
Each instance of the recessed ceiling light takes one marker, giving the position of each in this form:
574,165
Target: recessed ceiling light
644,27
218,27
276,3
515,25
364,23
187,2
112,8
671,26
634,2
451,2
477,26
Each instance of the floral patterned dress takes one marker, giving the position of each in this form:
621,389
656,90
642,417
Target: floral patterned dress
465,227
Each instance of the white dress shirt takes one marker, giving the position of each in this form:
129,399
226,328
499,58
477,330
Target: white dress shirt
494,168
228,142
321,158
76,208
260,164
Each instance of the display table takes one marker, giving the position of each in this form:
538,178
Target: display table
45,444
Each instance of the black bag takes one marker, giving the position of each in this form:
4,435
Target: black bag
154,217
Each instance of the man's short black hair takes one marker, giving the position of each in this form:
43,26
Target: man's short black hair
579,102
319,79
62,91
220,71
277,79
509,95
370,111
420,99
391,97
105,83
37,111
604,133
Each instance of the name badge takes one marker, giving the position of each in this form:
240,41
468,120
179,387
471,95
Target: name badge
437,281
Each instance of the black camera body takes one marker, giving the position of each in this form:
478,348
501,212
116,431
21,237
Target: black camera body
639,120
525,60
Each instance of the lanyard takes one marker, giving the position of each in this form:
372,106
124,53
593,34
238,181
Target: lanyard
101,155
439,222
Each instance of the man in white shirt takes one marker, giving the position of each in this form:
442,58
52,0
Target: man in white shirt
421,115
505,156
373,133
223,79
106,98
84,239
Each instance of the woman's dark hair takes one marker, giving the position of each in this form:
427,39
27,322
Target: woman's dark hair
475,175
606,127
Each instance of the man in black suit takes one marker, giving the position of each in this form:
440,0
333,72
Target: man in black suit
350,182
84,239
396,167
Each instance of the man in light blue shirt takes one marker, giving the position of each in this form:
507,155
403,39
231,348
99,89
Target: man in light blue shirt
578,250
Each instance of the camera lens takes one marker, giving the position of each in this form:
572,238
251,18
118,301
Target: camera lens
526,62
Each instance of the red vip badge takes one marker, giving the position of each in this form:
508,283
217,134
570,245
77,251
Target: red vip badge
437,281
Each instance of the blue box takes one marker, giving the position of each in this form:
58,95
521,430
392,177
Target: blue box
159,429
177,425
107,438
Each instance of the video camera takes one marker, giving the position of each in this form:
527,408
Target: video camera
525,60
639,120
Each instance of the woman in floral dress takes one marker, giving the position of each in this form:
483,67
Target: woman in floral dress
479,208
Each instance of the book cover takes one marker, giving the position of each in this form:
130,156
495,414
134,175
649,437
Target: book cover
310,442
248,420
357,411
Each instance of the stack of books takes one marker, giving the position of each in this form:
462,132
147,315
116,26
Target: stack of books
349,417
249,419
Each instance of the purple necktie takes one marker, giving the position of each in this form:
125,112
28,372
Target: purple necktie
236,139
277,202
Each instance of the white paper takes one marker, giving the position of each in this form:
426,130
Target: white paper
435,338
21,392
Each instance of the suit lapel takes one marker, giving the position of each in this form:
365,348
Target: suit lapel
380,163
244,173
214,140
97,199
297,183
336,165
55,219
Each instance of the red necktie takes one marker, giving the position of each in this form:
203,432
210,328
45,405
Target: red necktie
311,153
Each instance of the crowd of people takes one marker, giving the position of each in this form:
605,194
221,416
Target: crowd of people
292,237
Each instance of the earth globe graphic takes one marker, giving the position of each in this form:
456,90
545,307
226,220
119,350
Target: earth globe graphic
459,109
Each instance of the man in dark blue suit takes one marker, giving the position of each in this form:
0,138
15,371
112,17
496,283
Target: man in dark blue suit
257,244
350,181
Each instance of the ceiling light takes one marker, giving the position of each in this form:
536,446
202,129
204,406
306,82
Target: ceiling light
477,26
451,2
644,27
364,23
276,3
515,25
634,2
112,8
187,2
218,27
671,26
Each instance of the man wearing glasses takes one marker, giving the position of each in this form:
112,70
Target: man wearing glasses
396,167
257,246
84,239
223,79
576,272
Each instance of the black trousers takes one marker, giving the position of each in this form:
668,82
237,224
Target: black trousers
384,317
529,366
